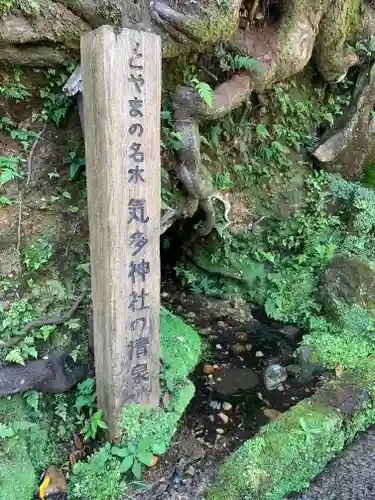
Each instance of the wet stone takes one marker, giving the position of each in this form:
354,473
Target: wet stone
274,376
236,379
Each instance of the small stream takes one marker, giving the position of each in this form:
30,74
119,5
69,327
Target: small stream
231,401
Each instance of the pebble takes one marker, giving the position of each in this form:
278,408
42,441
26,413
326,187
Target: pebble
227,406
237,348
218,346
259,354
208,369
165,295
220,431
272,414
274,376
291,332
221,324
224,417
211,418
248,347
215,405
241,335
190,471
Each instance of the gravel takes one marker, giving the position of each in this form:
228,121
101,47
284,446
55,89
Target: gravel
348,477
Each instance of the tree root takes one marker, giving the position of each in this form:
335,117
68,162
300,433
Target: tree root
43,375
36,323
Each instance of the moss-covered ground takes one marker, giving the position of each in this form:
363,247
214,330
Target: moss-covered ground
27,442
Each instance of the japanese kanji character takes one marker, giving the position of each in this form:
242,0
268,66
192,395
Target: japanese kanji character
137,211
135,153
138,240
141,268
135,175
139,374
139,346
137,302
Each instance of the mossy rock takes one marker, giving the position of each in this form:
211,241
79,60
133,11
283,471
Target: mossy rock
346,282
287,453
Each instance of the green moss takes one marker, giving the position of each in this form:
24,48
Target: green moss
180,346
160,424
17,474
30,8
110,11
180,353
287,453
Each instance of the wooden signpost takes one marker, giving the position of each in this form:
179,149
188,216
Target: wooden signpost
121,74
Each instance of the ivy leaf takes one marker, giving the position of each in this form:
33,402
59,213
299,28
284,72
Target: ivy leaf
145,444
126,464
83,400
131,447
137,469
145,457
159,449
121,452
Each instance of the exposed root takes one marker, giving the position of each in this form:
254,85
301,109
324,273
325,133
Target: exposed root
30,159
36,323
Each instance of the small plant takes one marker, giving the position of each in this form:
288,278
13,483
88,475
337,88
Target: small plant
90,419
204,90
16,90
134,455
37,254
75,161
9,169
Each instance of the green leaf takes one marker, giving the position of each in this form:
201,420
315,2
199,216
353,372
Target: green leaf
205,92
159,449
145,457
262,130
131,447
83,400
121,452
102,425
137,469
126,464
145,444
6,431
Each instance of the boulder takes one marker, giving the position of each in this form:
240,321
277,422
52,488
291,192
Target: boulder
346,147
348,281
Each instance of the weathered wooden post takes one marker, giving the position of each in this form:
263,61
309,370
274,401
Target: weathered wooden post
121,101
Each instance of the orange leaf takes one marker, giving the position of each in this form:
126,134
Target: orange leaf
339,370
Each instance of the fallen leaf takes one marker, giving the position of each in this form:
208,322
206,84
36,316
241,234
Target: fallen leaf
339,370
154,460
